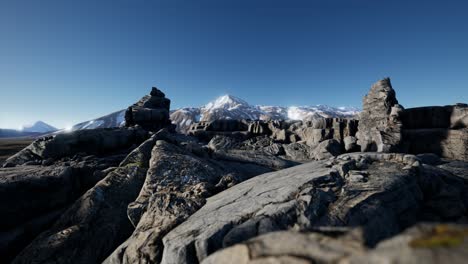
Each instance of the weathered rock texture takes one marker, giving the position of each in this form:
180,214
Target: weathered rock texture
33,197
428,243
97,222
379,127
442,130
144,194
151,112
385,126
96,141
380,193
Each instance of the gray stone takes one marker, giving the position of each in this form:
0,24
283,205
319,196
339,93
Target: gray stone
151,112
313,195
379,125
99,218
95,141
429,158
298,151
327,149
350,144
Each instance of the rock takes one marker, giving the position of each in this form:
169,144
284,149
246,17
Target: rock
157,93
436,129
327,149
219,142
447,143
424,243
31,198
350,144
379,125
428,243
99,217
94,141
151,112
279,135
177,184
457,167
168,197
429,158
246,156
298,151
259,128
310,196
313,136
263,144
294,248
47,162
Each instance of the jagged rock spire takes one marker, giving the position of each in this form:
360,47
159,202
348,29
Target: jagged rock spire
379,126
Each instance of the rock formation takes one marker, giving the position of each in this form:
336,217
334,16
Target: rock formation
442,130
236,191
379,127
326,197
151,112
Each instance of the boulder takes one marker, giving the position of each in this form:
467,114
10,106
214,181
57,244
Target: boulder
219,142
327,149
298,151
429,158
350,144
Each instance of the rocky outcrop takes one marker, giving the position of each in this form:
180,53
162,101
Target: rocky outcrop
327,196
442,130
379,125
385,126
33,197
97,222
151,112
177,184
430,243
91,142
309,132
225,193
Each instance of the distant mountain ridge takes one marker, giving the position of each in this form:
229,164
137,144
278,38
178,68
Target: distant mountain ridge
38,127
227,107
32,130
231,107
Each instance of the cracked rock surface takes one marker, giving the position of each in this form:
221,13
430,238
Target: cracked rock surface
392,194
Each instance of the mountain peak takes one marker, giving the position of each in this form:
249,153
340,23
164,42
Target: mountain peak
39,127
226,101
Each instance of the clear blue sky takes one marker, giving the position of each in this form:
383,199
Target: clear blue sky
69,61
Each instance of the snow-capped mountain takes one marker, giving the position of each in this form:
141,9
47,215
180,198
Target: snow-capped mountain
231,107
115,119
227,107
38,127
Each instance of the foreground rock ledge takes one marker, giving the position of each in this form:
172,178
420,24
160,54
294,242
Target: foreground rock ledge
381,193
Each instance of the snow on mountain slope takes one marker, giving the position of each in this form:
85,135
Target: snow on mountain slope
227,107
231,107
115,119
38,127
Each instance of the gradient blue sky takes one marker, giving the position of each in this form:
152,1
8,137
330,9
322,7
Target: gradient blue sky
68,61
